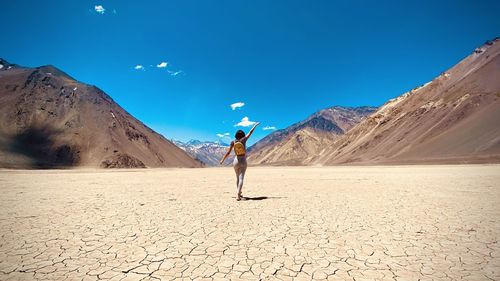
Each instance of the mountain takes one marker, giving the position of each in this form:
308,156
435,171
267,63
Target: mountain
455,118
51,120
210,153
301,142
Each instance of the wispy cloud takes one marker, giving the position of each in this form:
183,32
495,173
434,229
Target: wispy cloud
225,135
245,122
175,73
269,128
162,64
237,105
99,9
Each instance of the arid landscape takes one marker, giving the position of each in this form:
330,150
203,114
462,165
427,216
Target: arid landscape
364,136
300,223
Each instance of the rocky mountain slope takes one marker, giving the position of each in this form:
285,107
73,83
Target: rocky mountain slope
455,118
48,119
300,143
207,152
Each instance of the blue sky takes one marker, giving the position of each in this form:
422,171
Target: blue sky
283,59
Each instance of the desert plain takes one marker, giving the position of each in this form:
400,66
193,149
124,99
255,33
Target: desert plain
299,223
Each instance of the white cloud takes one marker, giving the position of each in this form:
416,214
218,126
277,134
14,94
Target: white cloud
237,105
162,64
245,122
269,128
139,67
175,73
99,9
225,135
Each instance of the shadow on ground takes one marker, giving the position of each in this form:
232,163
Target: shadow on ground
258,198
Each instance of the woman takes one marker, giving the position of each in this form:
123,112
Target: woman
240,161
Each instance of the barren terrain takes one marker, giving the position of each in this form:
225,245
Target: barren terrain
302,223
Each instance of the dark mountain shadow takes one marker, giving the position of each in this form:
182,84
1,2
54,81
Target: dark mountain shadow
40,146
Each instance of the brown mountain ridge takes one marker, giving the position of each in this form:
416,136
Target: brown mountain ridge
301,142
455,118
51,120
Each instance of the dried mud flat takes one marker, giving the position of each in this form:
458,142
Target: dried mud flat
303,223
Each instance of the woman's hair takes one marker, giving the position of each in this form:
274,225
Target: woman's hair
239,134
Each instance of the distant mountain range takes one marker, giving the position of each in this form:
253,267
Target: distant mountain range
49,119
209,153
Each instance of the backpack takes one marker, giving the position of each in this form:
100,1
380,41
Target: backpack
239,148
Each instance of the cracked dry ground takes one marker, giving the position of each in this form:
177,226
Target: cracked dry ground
336,223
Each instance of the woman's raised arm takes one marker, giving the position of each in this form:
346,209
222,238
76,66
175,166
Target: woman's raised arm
253,129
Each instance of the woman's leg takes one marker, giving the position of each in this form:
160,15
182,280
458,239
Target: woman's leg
236,167
241,176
